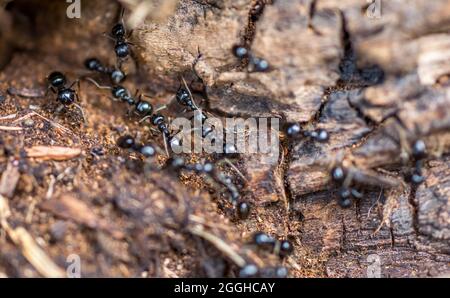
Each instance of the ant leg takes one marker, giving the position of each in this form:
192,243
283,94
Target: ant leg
109,36
98,85
130,33
163,107
75,82
50,88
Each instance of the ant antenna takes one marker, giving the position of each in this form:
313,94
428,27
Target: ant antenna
97,84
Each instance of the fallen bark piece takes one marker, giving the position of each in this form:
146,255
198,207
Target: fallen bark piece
53,152
69,207
9,180
10,128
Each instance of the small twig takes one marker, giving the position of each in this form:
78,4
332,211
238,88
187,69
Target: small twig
201,220
219,244
51,188
236,169
11,128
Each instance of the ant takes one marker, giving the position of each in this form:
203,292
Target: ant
65,95
118,32
281,247
116,75
339,175
320,135
141,107
128,142
418,154
251,270
255,64
158,120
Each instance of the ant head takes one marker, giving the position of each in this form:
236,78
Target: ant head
243,210
240,51
338,174
92,63
125,142
419,149
293,129
118,31
57,79
117,76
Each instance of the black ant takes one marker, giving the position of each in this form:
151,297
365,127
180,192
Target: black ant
294,131
122,46
128,142
116,75
142,108
281,247
65,95
255,64
346,193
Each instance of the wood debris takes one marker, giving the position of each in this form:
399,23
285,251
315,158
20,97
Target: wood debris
53,152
